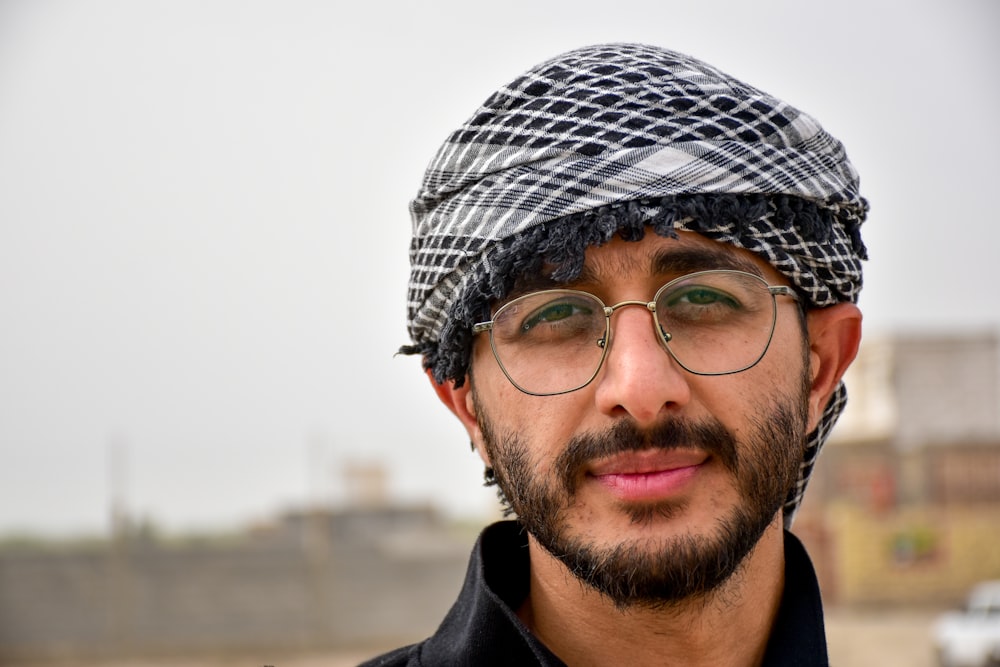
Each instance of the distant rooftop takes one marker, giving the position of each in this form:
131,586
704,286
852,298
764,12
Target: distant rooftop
924,389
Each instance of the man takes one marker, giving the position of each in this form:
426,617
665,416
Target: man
633,282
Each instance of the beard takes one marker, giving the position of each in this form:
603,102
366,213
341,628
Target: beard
656,572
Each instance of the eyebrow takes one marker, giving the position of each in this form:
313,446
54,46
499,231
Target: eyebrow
537,282
667,262
680,261
675,262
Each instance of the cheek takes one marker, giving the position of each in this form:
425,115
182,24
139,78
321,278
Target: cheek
788,355
739,401
543,424
512,411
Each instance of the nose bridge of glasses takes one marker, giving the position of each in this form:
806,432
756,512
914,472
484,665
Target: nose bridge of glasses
650,306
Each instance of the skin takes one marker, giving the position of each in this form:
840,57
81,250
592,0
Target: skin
641,383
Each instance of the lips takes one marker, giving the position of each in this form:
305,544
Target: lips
649,475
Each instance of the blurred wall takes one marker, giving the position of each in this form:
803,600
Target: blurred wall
912,556
369,578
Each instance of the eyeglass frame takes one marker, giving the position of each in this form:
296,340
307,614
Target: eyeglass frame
663,336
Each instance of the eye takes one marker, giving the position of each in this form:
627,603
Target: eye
698,295
545,317
700,304
554,312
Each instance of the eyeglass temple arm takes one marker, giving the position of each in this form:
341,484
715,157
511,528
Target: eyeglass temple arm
779,290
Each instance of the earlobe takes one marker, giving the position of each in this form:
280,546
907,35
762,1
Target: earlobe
462,404
834,337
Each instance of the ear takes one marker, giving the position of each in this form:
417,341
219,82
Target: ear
461,403
834,337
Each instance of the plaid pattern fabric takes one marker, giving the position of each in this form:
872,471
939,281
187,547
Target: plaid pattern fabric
608,124
621,125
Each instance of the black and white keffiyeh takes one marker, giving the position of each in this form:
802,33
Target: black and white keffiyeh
618,139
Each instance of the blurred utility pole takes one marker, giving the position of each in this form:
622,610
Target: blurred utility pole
317,541
118,593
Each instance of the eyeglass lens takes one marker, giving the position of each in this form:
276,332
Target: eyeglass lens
711,322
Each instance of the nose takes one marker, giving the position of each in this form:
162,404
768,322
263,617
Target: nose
639,377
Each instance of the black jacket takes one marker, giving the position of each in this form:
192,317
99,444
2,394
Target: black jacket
482,629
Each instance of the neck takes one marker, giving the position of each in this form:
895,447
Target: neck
730,627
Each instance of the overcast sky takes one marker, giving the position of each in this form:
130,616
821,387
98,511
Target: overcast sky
203,222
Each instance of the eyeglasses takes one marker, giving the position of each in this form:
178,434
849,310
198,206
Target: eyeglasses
711,322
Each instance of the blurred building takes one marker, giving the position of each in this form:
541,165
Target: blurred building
904,506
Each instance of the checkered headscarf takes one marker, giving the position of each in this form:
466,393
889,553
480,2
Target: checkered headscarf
615,139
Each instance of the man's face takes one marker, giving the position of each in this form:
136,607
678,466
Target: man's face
650,484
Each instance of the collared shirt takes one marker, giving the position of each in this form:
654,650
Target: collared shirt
482,628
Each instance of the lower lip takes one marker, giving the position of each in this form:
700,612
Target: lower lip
648,486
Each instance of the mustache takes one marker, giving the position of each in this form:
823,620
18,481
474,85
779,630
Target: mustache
626,436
